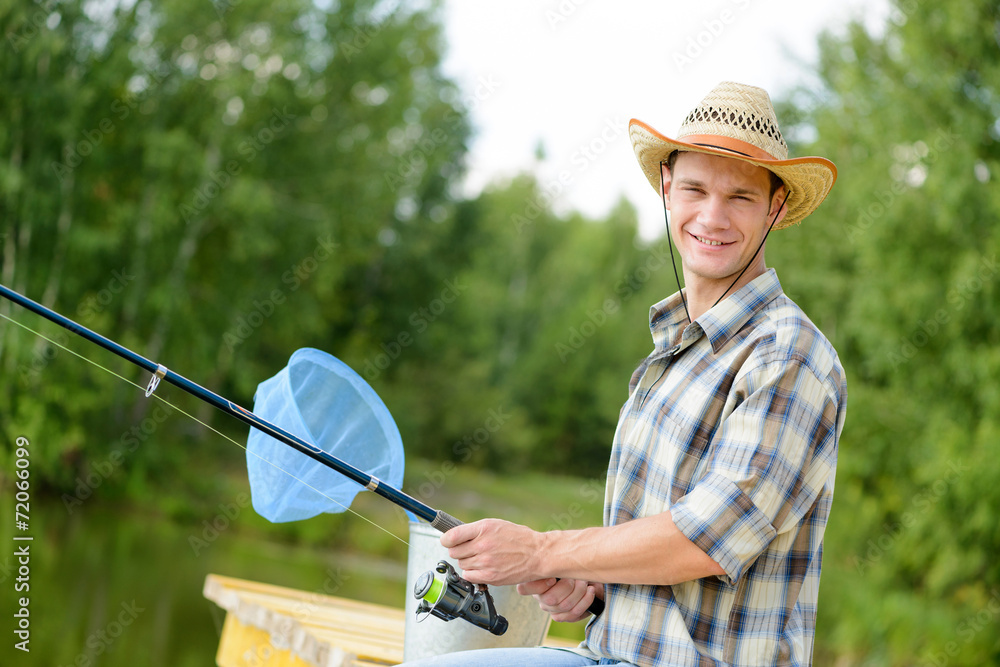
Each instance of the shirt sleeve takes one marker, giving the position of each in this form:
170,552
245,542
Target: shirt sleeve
769,460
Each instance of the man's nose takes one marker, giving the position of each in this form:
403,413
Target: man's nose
713,213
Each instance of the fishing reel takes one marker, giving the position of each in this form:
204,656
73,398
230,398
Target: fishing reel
443,593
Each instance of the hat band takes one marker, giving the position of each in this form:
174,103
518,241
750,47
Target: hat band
729,144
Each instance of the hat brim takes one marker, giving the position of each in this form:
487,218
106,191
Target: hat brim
809,179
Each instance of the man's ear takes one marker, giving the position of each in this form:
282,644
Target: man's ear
665,176
779,200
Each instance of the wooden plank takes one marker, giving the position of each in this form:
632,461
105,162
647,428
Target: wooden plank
314,629
274,626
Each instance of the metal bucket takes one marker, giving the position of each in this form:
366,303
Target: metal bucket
431,636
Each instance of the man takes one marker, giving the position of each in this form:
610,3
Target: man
722,469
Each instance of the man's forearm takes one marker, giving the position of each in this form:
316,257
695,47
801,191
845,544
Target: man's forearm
650,550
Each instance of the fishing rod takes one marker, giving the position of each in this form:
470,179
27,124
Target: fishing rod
449,597
442,521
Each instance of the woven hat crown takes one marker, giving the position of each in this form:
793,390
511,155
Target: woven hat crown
739,112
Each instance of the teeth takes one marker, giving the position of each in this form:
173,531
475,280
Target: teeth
707,242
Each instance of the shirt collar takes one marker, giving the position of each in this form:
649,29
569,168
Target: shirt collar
667,319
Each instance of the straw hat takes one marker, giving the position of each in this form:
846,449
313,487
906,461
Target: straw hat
738,121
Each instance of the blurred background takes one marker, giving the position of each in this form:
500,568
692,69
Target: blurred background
444,196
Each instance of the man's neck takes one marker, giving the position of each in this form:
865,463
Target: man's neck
702,293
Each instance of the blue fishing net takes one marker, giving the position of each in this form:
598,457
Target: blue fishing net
320,399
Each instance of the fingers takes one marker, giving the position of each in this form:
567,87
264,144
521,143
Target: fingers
459,535
566,600
462,545
580,610
563,597
536,587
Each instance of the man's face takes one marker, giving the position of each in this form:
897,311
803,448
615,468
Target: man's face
718,216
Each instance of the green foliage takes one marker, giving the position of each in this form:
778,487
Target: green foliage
900,268
212,189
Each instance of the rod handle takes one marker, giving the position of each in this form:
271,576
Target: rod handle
445,522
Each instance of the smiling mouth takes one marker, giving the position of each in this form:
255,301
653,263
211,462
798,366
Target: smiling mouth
702,239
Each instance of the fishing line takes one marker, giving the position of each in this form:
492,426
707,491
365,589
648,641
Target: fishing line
183,412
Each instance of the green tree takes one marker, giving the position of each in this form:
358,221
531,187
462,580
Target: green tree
900,268
213,185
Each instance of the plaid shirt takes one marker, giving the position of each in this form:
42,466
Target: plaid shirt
732,425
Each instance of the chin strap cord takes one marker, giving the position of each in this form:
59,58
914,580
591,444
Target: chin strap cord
666,222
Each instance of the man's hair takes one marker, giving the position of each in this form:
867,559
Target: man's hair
775,181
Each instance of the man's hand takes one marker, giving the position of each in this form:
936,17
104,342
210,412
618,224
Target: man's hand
566,600
495,552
